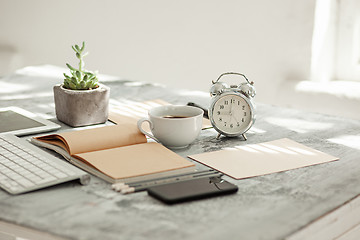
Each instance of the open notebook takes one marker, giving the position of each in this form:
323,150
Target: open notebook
118,153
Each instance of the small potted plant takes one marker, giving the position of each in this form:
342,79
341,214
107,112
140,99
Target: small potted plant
81,100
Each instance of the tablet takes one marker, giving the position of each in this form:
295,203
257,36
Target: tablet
20,122
192,190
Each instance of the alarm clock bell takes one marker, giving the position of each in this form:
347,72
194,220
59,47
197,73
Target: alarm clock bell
232,112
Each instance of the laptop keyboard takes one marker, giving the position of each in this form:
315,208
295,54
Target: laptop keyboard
24,168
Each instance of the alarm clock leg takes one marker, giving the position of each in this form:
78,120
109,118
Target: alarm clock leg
218,136
244,136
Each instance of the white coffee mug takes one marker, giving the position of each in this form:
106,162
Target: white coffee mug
173,126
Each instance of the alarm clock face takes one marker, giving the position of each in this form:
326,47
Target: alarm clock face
231,114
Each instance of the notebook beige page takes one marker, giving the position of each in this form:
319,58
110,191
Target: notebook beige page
264,158
95,139
127,111
120,152
135,160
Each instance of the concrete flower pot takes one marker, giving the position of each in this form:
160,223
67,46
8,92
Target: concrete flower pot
82,107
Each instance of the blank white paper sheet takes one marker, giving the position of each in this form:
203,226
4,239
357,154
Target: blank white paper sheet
264,158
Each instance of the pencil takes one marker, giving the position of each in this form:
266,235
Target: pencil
124,188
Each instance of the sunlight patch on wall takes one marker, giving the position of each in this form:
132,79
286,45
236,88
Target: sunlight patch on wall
56,73
48,71
323,41
346,89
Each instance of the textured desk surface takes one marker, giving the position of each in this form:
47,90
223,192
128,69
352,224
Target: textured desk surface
266,207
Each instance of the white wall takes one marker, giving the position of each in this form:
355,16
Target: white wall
178,43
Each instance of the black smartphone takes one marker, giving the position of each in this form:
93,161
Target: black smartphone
192,190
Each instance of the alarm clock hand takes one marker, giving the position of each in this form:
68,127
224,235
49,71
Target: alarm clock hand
233,115
231,106
229,113
231,110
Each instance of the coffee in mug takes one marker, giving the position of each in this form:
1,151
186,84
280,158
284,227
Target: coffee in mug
172,125
172,117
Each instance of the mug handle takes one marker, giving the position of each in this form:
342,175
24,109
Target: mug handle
139,124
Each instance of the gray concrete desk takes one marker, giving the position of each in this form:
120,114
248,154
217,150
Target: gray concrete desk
289,204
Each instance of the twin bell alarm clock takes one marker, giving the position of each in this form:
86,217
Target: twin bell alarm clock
232,112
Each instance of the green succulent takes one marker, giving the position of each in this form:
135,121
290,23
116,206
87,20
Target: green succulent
80,79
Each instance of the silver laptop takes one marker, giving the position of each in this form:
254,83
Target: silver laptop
24,167
19,122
